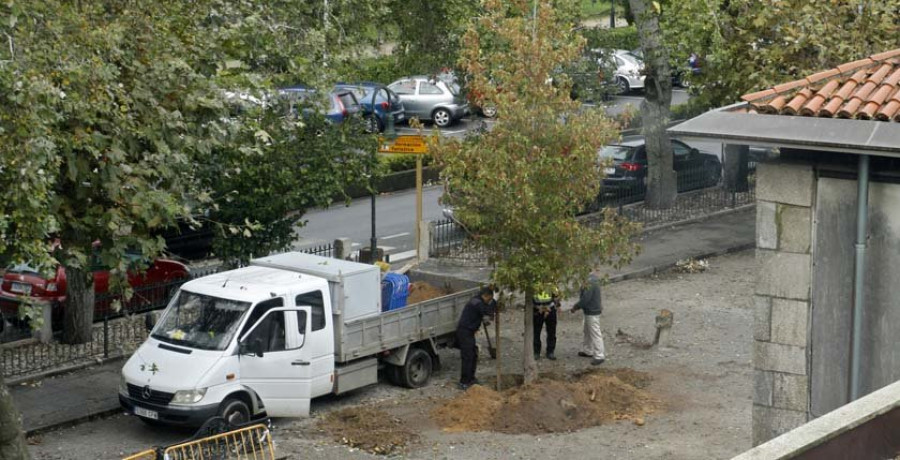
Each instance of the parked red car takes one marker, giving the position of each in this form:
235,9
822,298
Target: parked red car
152,288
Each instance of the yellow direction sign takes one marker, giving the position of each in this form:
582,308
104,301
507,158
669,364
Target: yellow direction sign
404,144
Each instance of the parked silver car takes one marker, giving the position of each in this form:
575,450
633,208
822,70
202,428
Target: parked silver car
431,99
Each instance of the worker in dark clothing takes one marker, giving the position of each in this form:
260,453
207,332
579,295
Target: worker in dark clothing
545,306
478,310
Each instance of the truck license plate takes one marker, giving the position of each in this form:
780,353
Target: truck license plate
609,171
20,288
146,413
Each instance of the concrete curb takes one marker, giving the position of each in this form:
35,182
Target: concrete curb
648,271
76,421
692,220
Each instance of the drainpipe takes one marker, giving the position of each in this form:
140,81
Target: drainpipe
862,218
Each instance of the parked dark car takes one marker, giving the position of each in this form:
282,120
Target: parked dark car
386,102
627,175
339,105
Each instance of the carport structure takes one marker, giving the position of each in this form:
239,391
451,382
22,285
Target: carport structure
826,309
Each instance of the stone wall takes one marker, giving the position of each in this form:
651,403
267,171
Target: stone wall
785,198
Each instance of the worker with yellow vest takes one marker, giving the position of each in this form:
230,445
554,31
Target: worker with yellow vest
545,306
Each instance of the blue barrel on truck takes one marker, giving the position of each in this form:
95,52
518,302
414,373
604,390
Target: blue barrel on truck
394,291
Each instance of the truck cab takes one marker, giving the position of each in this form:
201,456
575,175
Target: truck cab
235,344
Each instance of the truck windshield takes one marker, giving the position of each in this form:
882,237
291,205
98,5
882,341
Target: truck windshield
200,321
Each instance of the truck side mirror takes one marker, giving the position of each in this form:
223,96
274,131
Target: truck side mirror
254,347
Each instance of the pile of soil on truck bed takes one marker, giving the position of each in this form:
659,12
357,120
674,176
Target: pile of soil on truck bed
421,291
551,404
368,429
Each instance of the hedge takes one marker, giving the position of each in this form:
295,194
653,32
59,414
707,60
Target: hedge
623,38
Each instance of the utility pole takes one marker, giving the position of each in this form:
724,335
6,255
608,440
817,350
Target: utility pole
612,14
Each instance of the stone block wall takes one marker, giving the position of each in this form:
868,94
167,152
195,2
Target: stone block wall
785,198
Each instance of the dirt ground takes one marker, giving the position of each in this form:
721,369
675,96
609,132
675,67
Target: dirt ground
693,396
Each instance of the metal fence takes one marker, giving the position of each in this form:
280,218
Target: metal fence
120,327
701,192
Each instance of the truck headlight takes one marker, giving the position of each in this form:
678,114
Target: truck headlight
188,396
123,386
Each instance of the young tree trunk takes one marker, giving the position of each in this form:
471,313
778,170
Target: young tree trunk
661,179
529,367
78,317
12,439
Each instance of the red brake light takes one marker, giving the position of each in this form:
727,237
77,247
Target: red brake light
385,105
631,166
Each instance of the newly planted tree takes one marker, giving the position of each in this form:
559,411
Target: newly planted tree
518,187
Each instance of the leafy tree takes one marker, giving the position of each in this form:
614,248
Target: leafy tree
519,186
661,179
275,169
429,33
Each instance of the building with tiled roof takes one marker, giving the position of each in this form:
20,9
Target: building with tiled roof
866,89
826,309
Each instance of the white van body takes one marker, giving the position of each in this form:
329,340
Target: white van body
272,336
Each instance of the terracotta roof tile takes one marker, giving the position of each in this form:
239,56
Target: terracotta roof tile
864,89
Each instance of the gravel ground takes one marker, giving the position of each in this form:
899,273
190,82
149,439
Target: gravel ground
703,377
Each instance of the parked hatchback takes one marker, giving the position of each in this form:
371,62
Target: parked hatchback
151,287
627,65
386,102
626,176
431,99
338,106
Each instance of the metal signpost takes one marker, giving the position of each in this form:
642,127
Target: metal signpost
410,145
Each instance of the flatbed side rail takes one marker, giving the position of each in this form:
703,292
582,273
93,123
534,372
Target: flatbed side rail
392,329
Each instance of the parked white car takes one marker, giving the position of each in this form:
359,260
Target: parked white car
628,67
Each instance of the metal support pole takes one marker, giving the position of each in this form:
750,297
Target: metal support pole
612,14
418,207
862,218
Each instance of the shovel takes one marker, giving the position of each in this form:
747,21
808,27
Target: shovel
491,349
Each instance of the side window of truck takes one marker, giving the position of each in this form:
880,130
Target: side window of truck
316,301
259,310
270,332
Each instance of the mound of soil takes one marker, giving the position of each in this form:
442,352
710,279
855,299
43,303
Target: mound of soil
368,429
473,411
551,404
421,291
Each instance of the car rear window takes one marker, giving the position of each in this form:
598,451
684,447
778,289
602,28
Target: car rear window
347,99
616,152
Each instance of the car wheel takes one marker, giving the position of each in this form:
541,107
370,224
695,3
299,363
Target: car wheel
489,111
441,118
234,411
417,370
622,85
374,125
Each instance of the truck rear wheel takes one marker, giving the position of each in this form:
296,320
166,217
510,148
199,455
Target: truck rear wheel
417,370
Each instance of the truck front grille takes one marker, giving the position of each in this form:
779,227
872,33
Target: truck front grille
155,397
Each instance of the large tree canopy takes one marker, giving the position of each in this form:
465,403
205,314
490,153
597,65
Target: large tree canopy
519,186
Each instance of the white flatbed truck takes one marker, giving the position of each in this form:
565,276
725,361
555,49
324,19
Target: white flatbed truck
270,337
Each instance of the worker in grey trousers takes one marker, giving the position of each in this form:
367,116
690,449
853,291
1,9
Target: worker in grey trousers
590,303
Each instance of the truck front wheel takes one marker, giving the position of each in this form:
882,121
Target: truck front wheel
234,411
417,370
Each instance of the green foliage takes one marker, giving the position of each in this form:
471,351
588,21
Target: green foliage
399,163
747,45
273,171
381,69
429,32
625,38
518,186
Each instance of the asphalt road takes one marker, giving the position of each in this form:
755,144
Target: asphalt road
395,214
